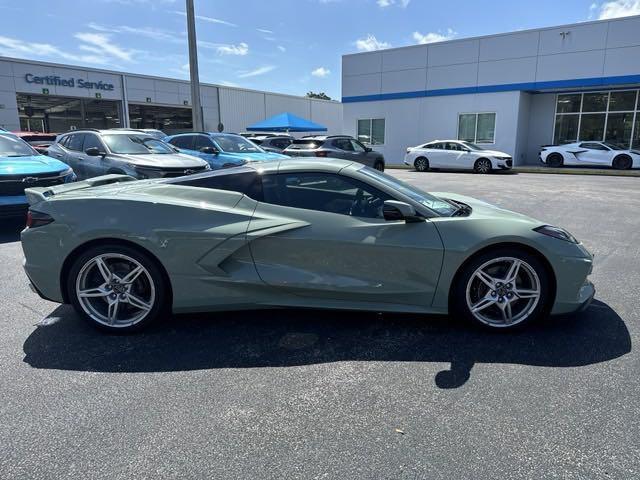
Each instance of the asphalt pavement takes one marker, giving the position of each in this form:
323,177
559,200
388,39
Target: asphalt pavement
312,394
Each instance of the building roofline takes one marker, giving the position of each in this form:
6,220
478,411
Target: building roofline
493,35
154,77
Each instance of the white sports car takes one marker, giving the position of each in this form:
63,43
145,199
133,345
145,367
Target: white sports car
590,153
456,154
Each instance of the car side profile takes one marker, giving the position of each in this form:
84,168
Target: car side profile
456,155
310,233
21,166
601,154
92,153
336,146
221,150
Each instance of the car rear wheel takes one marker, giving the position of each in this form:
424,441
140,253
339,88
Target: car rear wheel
117,288
379,166
502,289
421,164
622,162
555,160
482,165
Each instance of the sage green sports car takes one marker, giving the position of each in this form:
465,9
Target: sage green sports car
296,233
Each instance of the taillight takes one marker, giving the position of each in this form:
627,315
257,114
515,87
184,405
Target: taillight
37,219
321,153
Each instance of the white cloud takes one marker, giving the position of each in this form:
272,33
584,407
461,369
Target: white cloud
100,43
388,3
13,47
619,8
149,32
240,49
257,71
370,43
321,72
433,37
264,30
281,48
207,19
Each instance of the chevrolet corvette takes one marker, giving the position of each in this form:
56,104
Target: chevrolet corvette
319,233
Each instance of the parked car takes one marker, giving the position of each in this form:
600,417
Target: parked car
310,233
21,166
221,150
335,146
39,141
272,143
456,155
155,133
98,152
590,153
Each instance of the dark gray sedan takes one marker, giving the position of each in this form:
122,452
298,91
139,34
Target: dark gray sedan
335,146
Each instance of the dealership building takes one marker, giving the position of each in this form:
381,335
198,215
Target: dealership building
48,97
512,92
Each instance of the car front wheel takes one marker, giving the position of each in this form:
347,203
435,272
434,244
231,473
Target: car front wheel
379,166
622,162
421,164
482,165
116,288
502,289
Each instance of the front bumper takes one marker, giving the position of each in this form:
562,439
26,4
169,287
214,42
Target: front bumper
13,206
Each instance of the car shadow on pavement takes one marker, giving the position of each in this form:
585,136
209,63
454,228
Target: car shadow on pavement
10,229
282,338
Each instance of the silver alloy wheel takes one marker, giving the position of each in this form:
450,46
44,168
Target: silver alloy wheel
420,164
115,290
503,292
483,166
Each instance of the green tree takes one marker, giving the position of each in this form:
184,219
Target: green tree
321,95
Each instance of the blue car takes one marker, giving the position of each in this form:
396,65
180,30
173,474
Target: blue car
221,150
22,167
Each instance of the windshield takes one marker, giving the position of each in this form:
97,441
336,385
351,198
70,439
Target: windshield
436,204
472,146
613,146
136,144
235,144
11,146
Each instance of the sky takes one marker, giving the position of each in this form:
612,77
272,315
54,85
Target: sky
287,46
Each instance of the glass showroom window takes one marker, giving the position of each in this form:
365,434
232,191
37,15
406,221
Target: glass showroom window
598,116
477,127
371,131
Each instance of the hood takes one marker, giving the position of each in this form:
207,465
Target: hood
255,157
31,165
487,210
163,160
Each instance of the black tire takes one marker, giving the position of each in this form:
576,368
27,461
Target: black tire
555,160
379,165
459,299
622,162
421,164
482,165
159,305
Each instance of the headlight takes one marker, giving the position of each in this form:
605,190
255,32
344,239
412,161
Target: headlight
207,167
556,232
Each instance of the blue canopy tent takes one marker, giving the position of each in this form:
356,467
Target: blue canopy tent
286,122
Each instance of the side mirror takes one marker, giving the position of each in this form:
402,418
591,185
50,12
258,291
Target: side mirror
394,211
94,152
209,150
368,149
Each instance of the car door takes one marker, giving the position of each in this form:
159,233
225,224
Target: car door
343,148
452,155
593,153
312,236
362,154
73,154
436,155
93,166
200,142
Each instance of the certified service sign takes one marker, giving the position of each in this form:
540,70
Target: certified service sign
67,82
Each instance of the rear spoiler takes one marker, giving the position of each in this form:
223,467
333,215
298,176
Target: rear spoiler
40,194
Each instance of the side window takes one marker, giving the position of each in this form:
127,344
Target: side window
357,147
593,146
183,141
75,142
92,140
244,182
63,141
202,141
324,192
343,144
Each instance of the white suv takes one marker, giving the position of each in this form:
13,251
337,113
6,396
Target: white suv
456,155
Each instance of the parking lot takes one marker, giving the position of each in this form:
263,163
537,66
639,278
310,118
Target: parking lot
306,394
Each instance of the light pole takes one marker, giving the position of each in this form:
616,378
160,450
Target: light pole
198,124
